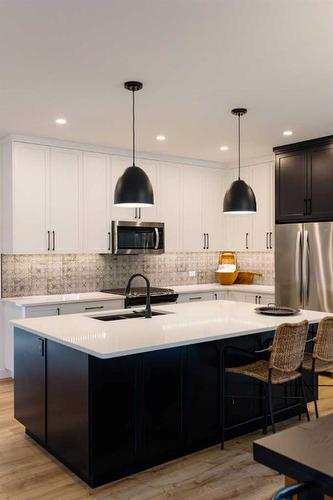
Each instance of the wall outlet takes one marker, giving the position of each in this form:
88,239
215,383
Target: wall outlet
192,274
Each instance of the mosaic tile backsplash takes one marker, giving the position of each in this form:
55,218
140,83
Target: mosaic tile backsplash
74,273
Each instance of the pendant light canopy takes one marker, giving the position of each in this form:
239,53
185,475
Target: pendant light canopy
133,188
240,198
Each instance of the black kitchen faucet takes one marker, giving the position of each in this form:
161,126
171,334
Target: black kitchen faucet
128,290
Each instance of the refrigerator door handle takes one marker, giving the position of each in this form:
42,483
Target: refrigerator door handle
298,267
305,267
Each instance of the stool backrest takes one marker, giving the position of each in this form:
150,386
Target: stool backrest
287,351
323,345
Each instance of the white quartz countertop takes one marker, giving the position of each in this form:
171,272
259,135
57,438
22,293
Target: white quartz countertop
186,324
216,287
40,300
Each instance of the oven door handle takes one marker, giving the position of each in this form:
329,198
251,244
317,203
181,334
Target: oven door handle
157,238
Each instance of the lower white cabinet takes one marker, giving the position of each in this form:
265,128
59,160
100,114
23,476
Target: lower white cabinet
237,296
195,297
87,307
12,311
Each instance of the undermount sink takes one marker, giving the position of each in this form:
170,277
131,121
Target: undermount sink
129,315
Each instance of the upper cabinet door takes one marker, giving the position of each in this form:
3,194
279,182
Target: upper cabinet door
320,175
290,186
65,200
213,208
29,202
170,206
96,203
152,170
192,231
118,167
262,185
240,226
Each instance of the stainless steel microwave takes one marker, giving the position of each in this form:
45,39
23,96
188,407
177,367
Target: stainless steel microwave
129,237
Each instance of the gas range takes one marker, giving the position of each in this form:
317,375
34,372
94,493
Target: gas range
138,295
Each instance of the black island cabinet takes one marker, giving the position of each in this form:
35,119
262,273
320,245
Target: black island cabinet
107,418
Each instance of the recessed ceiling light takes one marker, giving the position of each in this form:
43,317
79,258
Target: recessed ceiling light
224,148
288,132
160,137
61,121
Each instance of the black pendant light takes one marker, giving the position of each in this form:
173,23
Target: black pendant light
240,198
133,188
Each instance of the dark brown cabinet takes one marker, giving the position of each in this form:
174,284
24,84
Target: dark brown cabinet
304,181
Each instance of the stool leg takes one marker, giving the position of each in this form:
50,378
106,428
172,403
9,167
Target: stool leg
270,402
304,399
314,392
264,406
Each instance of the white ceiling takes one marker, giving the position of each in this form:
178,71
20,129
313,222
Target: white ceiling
196,58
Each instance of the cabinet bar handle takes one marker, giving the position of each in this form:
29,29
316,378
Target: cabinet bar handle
135,213
310,206
48,241
195,298
41,347
53,237
204,241
270,240
305,207
247,241
109,240
267,240
92,308
207,241
256,299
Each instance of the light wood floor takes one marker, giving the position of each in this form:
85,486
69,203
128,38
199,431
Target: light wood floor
27,472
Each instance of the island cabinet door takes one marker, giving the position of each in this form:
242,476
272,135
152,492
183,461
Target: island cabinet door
162,391
29,383
114,417
68,406
202,395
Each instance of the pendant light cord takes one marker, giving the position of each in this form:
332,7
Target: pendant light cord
133,130
239,146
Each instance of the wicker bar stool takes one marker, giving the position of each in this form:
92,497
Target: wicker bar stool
321,358
284,365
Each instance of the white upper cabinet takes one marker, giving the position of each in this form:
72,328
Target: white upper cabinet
170,204
152,170
212,223
118,167
262,184
202,221
25,200
192,194
65,200
252,232
240,234
62,200
96,203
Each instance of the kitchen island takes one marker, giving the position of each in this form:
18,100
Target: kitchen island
109,398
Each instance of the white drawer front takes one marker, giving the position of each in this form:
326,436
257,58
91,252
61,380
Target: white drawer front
195,297
85,307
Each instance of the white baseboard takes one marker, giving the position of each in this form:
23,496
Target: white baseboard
4,373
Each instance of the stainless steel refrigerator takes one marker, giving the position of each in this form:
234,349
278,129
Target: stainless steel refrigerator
304,265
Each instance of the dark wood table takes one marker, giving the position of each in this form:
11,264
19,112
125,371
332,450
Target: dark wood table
303,453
